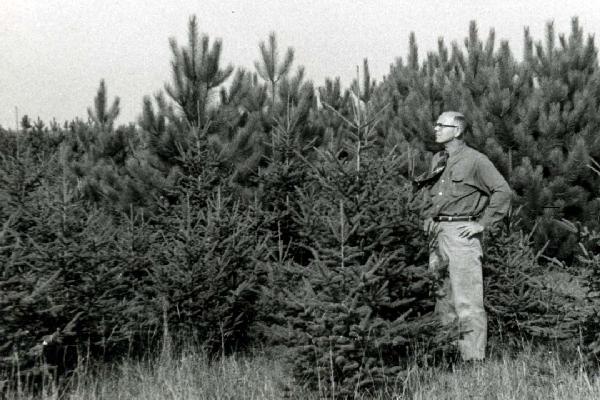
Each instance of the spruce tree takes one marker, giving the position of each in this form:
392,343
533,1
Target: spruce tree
352,317
66,286
295,136
206,270
589,258
522,304
351,312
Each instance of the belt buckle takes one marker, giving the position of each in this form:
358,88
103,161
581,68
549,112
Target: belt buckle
449,219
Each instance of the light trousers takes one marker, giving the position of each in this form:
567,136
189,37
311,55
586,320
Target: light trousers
457,262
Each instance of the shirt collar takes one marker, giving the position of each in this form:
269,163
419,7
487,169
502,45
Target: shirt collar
455,150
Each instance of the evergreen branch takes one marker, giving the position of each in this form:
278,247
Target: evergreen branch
339,114
595,166
189,66
193,41
285,66
267,69
376,116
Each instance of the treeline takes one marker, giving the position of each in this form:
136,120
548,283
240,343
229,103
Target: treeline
271,211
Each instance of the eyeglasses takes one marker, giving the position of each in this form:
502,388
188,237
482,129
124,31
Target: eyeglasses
438,125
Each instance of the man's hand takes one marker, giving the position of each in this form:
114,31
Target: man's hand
471,229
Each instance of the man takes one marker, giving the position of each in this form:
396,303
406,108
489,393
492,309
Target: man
464,195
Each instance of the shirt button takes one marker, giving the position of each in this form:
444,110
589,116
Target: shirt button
440,193
442,181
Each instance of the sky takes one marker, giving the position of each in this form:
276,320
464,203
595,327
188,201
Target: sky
53,53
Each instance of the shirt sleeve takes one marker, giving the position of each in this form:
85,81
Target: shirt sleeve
497,189
421,196
426,204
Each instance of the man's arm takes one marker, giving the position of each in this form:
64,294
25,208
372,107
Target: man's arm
421,193
496,187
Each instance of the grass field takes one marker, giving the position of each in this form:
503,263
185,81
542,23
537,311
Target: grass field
528,375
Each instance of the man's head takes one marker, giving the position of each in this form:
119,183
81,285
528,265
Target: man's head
449,126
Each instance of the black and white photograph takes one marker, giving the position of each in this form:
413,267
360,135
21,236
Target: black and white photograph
299,199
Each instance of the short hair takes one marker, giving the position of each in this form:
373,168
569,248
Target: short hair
461,122
458,119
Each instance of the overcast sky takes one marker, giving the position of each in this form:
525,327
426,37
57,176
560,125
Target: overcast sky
53,53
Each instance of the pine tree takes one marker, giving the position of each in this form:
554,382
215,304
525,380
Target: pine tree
165,133
101,115
25,123
109,165
557,121
415,98
197,73
538,112
271,69
265,127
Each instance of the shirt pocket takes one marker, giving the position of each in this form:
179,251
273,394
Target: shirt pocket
463,183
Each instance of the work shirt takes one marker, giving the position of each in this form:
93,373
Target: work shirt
468,185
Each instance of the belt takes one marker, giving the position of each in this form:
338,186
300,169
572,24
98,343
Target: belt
451,218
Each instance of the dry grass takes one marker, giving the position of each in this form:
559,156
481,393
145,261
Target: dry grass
530,375
525,377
